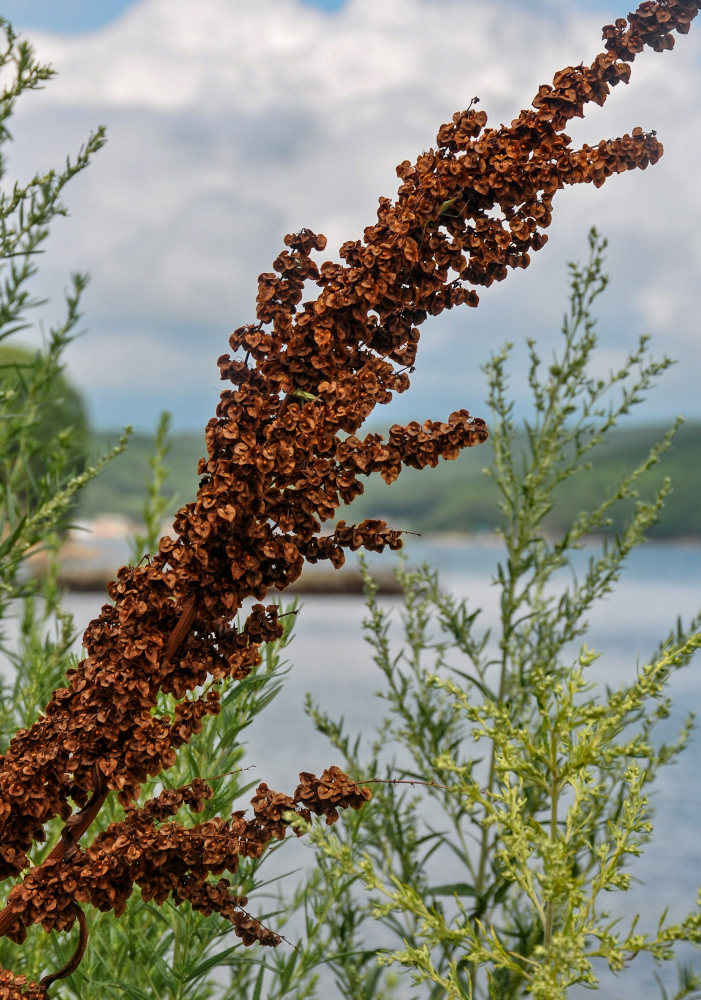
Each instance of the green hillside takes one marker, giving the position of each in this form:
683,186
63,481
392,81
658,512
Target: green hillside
454,497
120,488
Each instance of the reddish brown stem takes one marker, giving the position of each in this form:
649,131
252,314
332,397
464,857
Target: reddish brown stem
182,627
75,960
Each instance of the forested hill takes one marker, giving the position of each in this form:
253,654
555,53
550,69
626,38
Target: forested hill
454,497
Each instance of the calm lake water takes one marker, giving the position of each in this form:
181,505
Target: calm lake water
329,658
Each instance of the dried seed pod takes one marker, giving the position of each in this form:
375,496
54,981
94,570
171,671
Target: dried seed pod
283,454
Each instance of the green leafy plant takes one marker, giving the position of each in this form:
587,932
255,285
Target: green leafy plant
42,460
532,783
157,503
42,464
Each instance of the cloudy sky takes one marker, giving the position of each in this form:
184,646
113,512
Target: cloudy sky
233,122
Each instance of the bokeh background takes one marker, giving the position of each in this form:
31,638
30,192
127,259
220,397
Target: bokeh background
232,122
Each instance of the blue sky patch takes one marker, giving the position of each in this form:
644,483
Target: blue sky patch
71,17
66,18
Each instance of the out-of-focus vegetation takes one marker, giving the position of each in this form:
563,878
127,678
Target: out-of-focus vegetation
54,437
120,489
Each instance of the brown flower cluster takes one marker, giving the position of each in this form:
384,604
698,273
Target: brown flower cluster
283,455
167,859
17,987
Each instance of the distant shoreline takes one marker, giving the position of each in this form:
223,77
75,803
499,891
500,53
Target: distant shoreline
94,551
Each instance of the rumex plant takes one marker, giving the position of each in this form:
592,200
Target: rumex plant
282,455
169,950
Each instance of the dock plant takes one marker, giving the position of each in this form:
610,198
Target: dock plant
329,343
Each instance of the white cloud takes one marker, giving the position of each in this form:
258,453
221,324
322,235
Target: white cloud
232,123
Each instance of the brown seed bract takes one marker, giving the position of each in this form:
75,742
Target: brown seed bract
283,455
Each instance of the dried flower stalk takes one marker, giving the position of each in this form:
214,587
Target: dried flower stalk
283,455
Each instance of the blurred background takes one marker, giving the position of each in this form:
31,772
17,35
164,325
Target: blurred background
233,122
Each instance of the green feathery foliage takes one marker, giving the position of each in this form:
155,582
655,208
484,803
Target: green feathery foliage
537,780
42,471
